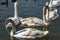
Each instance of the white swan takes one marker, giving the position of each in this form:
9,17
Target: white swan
33,21
26,33
55,3
15,19
48,15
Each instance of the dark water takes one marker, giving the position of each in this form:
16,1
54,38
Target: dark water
27,9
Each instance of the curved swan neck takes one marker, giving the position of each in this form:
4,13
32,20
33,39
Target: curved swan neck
11,33
44,14
13,30
45,11
15,10
47,16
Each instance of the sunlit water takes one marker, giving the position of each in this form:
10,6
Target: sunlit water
28,9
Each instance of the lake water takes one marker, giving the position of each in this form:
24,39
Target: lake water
28,9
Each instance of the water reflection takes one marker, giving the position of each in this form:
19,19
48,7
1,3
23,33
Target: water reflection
43,38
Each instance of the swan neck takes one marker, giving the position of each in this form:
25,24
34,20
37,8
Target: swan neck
44,14
47,16
15,10
11,33
45,11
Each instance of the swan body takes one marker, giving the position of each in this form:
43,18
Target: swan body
26,32
32,21
55,3
30,33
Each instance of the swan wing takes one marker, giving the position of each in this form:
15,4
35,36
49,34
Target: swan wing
32,21
22,32
34,33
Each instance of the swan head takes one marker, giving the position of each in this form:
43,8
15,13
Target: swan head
9,26
47,3
16,4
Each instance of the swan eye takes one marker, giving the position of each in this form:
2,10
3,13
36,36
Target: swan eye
46,3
